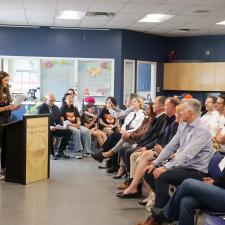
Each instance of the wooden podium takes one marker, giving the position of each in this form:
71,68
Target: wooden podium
27,144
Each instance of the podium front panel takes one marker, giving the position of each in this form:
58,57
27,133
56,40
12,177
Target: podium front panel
37,133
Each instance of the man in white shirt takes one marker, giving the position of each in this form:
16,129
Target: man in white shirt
212,117
220,107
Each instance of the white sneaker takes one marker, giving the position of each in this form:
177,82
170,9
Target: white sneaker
87,154
2,177
79,155
151,201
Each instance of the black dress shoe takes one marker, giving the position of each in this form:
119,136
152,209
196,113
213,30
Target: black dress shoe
102,167
130,195
62,156
158,214
98,157
120,176
111,170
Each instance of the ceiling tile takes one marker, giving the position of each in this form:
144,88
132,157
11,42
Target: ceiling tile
40,13
183,19
212,2
16,4
93,24
15,20
40,4
142,26
11,12
124,24
72,5
115,26
67,23
184,2
129,16
171,9
41,21
211,8
112,1
140,8
105,7
149,1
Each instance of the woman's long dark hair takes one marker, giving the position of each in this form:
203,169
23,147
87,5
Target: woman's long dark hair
4,90
113,100
64,100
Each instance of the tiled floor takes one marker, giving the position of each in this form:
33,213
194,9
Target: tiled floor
78,193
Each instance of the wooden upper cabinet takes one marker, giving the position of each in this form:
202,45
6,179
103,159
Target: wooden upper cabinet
191,74
194,76
182,76
208,76
169,80
220,76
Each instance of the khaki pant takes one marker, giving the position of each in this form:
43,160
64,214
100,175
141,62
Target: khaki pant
134,159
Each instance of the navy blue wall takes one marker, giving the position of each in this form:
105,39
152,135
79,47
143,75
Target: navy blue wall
146,47
64,43
193,48
117,44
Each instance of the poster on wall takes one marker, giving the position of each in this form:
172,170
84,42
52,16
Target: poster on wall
95,77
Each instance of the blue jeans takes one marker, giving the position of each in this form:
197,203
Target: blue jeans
82,135
193,194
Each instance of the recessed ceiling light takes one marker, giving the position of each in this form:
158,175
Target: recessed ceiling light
221,23
71,15
155,18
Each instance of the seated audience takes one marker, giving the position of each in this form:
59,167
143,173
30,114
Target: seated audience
149,139
76,102
220,107
211,118
56,128
107,122
132,122
121,114
90,121
81,134
140,160
193,140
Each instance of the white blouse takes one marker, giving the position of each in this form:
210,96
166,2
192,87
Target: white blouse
134,121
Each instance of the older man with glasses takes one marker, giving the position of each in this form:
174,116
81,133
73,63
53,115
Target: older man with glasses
56,128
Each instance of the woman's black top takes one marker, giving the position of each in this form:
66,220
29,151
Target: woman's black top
5,115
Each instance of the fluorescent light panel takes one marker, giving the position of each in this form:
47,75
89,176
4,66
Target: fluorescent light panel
155,18
71,15
221,23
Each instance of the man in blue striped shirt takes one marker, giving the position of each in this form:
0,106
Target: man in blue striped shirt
193,147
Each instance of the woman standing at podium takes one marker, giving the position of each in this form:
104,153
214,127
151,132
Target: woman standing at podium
5,113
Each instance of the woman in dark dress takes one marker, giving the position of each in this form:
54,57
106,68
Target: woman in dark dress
5,113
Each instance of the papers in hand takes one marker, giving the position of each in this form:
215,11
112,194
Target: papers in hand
66,123
60,127
19,100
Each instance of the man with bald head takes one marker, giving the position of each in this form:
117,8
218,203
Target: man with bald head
55,119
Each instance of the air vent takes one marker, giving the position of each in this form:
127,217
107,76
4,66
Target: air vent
184,30
200,11
100,14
